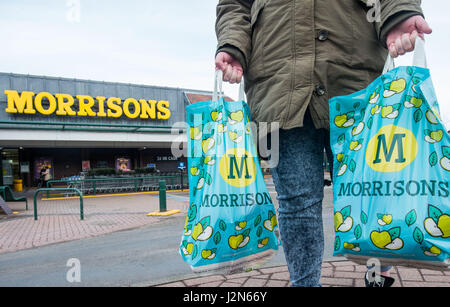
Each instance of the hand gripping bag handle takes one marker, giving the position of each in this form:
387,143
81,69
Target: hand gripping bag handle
218,91
419,60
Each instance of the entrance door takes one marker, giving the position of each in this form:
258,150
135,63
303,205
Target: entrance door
10,165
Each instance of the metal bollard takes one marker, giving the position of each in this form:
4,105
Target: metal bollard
162,196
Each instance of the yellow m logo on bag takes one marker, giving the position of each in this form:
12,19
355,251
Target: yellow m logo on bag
237,167
391,149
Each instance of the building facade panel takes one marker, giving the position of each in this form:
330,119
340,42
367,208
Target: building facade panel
67,125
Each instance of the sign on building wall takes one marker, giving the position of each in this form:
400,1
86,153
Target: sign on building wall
40,163
85,165
46,103
123,164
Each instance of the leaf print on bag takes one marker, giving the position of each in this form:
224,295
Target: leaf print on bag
337,243
418,115
433,159
418,235
411,217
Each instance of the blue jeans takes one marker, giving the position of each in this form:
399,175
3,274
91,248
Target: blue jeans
299,179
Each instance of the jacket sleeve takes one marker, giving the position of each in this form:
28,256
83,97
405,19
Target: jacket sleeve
233,28
393,12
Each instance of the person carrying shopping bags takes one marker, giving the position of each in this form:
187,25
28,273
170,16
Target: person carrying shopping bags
295,55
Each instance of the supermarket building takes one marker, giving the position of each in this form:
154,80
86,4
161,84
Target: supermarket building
75,125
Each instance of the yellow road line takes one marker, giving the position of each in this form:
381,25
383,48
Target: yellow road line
165,213
111,195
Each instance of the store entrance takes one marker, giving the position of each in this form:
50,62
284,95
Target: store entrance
10,165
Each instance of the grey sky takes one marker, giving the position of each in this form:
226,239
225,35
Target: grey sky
167,43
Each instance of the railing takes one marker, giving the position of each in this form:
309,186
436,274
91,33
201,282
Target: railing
96,186
47,190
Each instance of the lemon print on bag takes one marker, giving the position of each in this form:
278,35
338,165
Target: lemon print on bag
221,128
373,99
209,160
262,242
209,254
344,163
204,178
433,136
375,110
358,129
445,161
384,219
240,225
235,117
437,224
202,231
393,88
431,117
343,222
352,246
195,171
271,222
387,239
208,144
390,112
413,102
356,145
240,240
187,248
344,120
237,167
216,116
195,133
236,137
433,251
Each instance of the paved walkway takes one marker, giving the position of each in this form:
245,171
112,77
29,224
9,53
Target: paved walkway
334,274
59,220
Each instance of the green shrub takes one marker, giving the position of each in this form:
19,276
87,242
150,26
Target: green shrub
145,170
102,171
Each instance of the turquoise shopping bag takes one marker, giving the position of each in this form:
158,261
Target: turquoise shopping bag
391,170
231,222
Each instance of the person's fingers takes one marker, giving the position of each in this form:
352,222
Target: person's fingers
413,38
406,42
239,76
393,51
220,64
222,61
227,73
233,78
399,46
422,26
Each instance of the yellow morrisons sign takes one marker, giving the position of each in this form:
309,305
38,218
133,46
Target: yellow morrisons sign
64,105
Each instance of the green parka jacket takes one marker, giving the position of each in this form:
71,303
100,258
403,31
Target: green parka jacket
300,53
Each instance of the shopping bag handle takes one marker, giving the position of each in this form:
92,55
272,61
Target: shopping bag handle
218,91
419,59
